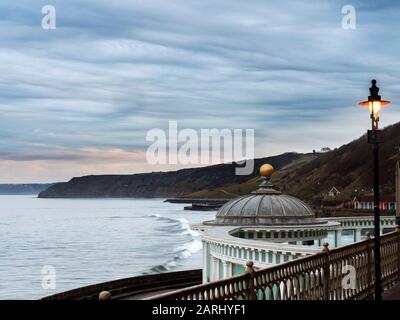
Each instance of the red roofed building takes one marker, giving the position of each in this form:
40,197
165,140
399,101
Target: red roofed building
367,202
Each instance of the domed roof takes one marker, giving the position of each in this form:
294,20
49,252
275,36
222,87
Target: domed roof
265,206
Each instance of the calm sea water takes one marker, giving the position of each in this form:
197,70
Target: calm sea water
88,241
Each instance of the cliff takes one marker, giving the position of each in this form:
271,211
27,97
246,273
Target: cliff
159,184
308,176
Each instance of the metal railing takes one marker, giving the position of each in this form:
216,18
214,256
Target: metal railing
339,274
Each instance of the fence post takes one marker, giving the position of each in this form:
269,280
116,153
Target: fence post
250,293
369,260
327,271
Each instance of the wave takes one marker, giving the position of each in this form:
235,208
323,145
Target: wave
153,215
120,217
182,251
186,228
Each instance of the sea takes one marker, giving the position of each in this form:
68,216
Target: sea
53,245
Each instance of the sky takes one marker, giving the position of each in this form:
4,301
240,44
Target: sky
81,98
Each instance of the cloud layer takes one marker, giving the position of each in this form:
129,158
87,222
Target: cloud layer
80,99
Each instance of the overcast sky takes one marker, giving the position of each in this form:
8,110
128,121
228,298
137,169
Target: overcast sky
80,99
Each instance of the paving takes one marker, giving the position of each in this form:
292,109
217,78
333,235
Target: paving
392,293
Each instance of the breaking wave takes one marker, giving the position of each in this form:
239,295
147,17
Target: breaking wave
182,227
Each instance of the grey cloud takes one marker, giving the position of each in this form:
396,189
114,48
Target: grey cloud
114,69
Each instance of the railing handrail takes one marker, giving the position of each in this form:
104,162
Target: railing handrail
369,217
188,290
316,276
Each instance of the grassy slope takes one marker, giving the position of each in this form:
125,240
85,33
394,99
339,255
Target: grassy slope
348,168
235,189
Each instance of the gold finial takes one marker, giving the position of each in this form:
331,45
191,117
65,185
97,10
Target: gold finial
266,170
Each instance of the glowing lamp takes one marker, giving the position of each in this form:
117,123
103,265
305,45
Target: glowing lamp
374,103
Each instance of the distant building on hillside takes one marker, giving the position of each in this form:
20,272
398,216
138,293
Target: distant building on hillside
347,204
367,202
333,192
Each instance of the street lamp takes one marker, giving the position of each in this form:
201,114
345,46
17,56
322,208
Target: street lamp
375,138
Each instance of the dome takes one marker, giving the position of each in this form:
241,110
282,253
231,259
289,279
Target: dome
265,209
265,206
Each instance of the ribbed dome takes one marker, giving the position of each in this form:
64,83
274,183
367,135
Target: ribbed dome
265,208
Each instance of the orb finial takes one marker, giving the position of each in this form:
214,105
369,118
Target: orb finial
266,170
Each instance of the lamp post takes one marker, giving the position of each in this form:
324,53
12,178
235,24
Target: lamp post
375,138
398,194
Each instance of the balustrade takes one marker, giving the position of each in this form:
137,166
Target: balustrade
322,276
